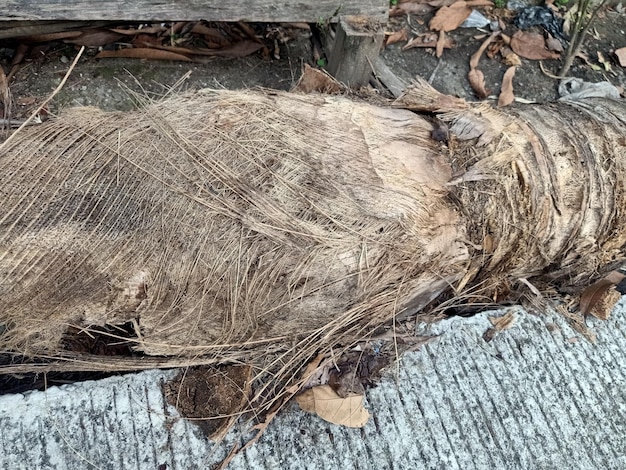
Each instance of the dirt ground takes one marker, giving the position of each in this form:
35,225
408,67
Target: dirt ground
104,82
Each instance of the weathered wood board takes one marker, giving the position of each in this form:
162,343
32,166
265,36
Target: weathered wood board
310,11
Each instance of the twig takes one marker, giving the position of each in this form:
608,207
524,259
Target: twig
548,74
579,34
47,100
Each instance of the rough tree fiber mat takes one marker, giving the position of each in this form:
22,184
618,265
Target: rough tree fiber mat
536,397
264,227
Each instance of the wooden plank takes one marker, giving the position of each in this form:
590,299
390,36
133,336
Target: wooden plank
358,40
389,79
311,11
16,29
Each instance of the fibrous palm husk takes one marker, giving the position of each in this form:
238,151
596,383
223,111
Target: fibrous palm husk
263,227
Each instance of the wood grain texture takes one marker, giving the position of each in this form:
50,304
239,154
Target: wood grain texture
214,10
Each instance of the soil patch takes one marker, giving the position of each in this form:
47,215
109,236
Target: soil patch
211,397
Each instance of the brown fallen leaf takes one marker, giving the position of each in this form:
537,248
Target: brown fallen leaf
477,82
306,375
531,46
329,406
50,37
506,91
410,8
26,101
477,55
95,38
214,34
509,57
592,294
397,36
441,42
449,18
554,44
142,53
237,50
134,32
427,40
621,56
316,80
605,305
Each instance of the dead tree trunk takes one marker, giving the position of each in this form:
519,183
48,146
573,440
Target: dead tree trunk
267,226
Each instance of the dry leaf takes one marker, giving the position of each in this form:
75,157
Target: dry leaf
133,32
509,57
477,82
441,3
441,42
213,34
329,406
604,62
316,80
142,53
476,55
621,56
603,308
554,44
427,40
596,291
95,38
506,92
237,50
531,46
146,40
504,322
50,36
410,8
309,371
449,18
397,36
26,101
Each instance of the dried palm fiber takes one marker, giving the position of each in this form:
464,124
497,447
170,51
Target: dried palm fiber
239,225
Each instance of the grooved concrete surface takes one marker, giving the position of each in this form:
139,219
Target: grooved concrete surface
533,398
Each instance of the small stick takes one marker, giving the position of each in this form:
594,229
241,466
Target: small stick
47,100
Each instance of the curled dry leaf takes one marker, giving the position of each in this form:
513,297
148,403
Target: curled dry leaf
142,53
509,57
397,36
329,406
596,291
531,46
477,82
427,40
506,92
621,56
477,55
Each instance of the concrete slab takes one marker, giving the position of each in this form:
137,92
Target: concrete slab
533,398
